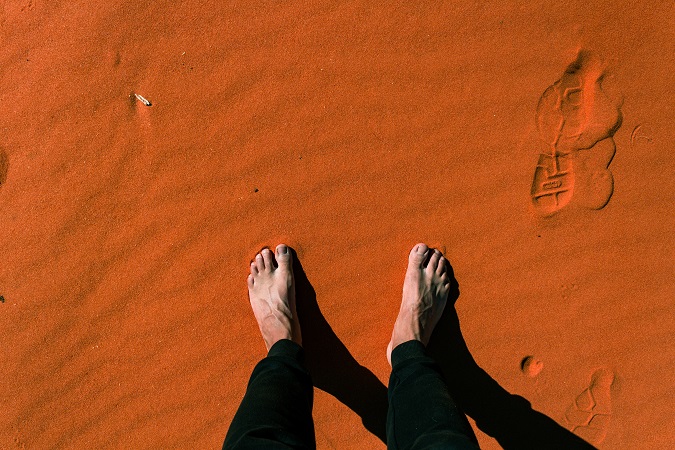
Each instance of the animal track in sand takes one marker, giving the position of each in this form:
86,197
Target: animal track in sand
28,5
588,417
576,120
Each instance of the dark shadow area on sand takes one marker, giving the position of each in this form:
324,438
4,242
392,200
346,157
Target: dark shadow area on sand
508,418
334,370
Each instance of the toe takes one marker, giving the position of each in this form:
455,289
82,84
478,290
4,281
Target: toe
444,278
249,281
418,254
267,258
433,261
442,266
283,255
254,268
259,262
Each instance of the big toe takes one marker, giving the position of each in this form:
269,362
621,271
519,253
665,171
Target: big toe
283,255
418,254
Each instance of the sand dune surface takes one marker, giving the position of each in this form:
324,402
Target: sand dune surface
149,150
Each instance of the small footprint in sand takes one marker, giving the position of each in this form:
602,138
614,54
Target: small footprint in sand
588,417
576,119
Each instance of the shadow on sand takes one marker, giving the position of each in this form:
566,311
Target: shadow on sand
508,418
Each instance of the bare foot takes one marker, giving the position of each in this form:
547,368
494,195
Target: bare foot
271,289
425,293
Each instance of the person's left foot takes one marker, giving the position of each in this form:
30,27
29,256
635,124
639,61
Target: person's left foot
271,289
425,293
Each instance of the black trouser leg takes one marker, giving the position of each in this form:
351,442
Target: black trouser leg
422,414
276,412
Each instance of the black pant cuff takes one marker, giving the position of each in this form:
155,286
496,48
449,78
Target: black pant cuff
406,351
288,349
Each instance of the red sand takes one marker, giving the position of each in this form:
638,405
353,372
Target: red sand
351,132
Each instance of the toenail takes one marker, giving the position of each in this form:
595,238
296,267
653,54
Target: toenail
283,249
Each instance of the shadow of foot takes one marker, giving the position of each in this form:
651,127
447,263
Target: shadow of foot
508,418
334,370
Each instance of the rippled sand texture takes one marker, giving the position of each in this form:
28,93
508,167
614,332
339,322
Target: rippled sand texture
351,131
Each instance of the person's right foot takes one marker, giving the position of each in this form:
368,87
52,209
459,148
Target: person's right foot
425,293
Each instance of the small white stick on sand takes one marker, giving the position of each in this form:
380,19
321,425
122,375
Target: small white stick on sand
143,100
